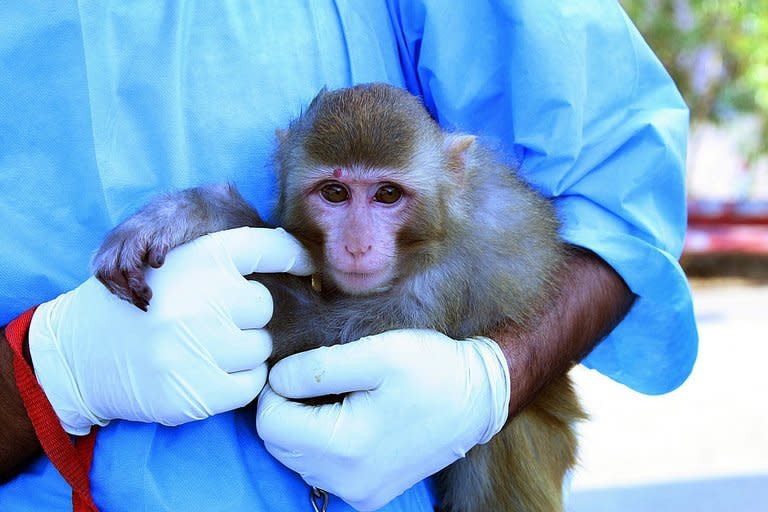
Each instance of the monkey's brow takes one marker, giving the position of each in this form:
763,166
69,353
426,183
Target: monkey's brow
360,172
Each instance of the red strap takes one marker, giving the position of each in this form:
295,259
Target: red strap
73,462
83,502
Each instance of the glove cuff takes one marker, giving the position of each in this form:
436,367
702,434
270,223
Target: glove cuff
499,383
54,374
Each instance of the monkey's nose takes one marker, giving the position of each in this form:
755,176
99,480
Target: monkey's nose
358,251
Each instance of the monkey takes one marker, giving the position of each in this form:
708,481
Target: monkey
409,226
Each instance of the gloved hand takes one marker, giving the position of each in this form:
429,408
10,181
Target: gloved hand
418,400
198,351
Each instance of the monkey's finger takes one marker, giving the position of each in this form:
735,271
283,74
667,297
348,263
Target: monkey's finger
249,304
155,256
265,250
328,371
244,350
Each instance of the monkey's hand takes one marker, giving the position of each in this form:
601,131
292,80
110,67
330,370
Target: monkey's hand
168,221
200,350
143,239
416,400
120,260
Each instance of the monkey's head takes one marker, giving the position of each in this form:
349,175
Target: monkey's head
372,186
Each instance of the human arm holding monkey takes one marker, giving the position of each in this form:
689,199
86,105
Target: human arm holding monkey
202,349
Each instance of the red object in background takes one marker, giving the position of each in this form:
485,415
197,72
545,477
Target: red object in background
727,227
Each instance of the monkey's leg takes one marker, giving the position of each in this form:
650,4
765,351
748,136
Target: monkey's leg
522,468
166,222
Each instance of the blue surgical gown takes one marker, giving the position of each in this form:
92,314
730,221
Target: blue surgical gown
105,104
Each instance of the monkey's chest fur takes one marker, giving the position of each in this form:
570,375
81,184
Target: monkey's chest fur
304,318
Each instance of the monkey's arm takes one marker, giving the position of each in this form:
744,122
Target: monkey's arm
18,443
592,300
166,222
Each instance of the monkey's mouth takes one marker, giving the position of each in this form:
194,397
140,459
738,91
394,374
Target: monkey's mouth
362,283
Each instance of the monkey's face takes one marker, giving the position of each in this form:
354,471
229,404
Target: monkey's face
371,184
359,213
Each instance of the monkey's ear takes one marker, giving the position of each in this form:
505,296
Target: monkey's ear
457,147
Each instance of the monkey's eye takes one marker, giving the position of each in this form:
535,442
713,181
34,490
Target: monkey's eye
388,194
334,193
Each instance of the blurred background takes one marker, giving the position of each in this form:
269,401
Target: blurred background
703,447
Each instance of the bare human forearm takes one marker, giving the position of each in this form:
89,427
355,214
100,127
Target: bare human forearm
18,443
592,300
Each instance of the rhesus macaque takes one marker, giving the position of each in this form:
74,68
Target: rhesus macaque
409,227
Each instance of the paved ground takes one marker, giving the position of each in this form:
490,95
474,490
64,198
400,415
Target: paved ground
702,448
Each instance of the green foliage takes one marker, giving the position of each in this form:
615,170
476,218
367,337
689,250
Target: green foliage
716,51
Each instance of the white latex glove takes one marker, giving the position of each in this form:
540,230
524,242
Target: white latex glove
418,400
198,351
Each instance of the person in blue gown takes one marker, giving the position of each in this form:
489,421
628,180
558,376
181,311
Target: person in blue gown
105,105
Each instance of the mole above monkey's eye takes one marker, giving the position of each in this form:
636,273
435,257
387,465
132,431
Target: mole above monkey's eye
388,194
334,193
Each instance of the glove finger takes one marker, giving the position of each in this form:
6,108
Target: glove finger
240,389
265,250
243,350
249,304
294,426
338,369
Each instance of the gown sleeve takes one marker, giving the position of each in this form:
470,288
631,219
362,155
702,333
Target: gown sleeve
571,93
